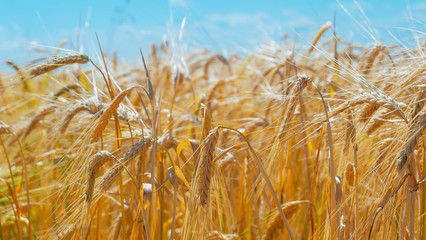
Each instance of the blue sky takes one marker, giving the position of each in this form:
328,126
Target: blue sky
224,26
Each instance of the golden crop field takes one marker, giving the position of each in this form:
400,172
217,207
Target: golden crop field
322,141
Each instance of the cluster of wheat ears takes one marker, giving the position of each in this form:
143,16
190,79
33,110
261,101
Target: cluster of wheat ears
317,142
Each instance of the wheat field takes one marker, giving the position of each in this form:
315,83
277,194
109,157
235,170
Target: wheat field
319,141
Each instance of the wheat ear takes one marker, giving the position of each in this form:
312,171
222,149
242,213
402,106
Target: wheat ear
375,99
302,82
38,117
365,68
70,116
367,112
96,161
276,224
324,28
103,121
205,165
17,69
378,121
115,170
55,63
414,135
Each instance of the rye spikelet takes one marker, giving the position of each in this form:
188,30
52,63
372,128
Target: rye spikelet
55,63
205,166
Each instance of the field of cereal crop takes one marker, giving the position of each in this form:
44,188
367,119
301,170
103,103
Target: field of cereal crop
319,141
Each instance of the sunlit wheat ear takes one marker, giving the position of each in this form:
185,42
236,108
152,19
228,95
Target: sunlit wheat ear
219,57
419,102
416,131
70,116
213,90
207,123
350,133
67,232
302,82
372,98
46,110
117,168
64,90
378,121
55,63
205,165
255,123
324,28
96,161
112,108
276,224
17,69
367,112
369,61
